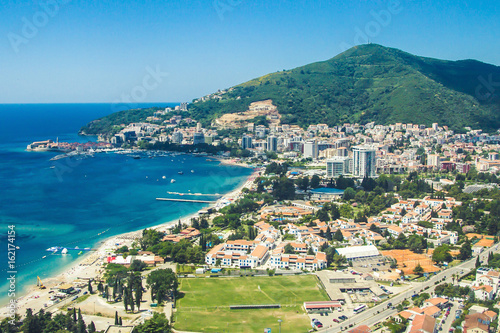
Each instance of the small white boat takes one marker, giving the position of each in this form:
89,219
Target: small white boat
64,251
44,257
192,171
164,177
172,180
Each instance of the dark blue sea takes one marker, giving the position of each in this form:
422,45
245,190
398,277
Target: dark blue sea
81,201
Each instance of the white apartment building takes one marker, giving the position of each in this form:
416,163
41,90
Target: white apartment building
364,161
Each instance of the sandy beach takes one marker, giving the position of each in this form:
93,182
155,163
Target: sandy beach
91,265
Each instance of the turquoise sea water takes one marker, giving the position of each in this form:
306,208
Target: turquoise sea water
79,202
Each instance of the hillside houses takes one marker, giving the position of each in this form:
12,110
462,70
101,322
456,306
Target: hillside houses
418,321
188,233
292,213
486,284
476,323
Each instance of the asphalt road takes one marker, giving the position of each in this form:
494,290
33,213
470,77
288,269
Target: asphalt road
380,312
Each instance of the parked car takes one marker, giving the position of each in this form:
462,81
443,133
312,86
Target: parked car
336,320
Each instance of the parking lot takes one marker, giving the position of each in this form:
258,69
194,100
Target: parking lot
331,319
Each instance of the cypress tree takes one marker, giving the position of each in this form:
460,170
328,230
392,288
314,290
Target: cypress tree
138,294
91,327
80,326
116,318
119,289
125,300
90,287
338,236
100,287
203,243
328,234
29,323
131,299
70,323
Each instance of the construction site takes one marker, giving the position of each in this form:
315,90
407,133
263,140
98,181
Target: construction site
408,260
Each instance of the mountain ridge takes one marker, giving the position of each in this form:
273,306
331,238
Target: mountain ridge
366,83
371,83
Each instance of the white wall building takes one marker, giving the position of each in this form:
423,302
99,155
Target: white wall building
311,149
336,166
364,161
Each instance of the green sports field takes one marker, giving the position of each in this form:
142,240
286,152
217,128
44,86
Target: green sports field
204,306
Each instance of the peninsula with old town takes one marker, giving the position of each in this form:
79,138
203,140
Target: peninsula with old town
350,221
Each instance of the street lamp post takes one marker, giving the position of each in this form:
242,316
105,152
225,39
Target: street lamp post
279,321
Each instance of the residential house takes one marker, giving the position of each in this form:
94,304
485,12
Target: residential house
476,323
484,293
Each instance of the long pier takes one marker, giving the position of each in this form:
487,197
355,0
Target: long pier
185,200
198,194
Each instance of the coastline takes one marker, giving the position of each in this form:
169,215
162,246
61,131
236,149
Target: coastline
91,265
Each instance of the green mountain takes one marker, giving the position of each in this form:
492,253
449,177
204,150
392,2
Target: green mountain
363,84
372,83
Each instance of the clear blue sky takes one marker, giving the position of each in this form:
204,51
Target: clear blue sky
95,51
